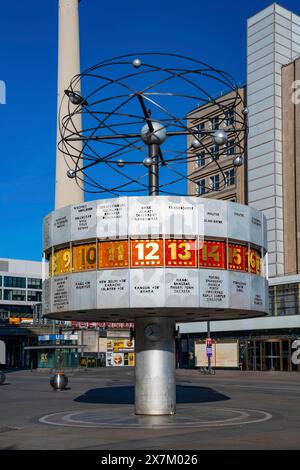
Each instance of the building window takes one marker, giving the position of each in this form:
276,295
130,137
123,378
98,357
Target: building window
14,294
229,118
230,147
0,294
34,283
214,183
215,153
214,123
34,296
284,299
201,128
200,159
229,177
10,281
0,281
200,187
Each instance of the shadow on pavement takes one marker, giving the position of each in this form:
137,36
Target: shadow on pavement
125,395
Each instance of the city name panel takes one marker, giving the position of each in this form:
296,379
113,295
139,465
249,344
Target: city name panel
188,258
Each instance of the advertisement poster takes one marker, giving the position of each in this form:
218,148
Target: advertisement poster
120,352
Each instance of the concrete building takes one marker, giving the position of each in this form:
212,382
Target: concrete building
273,40
273,185
20,289
207,180
20,296
291,165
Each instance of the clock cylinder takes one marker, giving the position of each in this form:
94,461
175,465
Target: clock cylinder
155,385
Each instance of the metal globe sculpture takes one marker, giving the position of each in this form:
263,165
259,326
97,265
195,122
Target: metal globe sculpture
153,260
59,381
2,377
139,107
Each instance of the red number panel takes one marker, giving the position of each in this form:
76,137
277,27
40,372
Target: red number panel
147,253
212,254
181,253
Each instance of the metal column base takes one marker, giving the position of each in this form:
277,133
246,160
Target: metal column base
155,386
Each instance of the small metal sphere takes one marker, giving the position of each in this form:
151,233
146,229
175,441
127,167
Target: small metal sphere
2,377
148,162
158,136
238,161
220,137
71,174
59,381
75,98
120,163
137,63
245,110
196,144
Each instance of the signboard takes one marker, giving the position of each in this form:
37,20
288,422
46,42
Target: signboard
214,289
208,343
181,216
83,293
112,218
113,288
110,325
146,216
147,288
239,289
120,352
84,221
224,354
47,232
215,218
46,296
182,288
238,227
257,293
60,294
61,225
256,232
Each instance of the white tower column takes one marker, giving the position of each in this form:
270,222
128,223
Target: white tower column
66,190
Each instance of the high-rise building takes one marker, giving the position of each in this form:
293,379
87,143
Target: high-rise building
272,186
291,165
273,40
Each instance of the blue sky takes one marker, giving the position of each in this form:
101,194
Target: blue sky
214,32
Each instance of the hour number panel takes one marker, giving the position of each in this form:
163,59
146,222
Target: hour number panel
61,261
212,254
147,253
254,261
84,257
113,254
181,253
237,257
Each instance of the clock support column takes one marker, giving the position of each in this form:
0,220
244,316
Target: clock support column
155,385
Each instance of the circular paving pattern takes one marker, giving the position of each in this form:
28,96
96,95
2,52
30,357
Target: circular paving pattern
124,417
